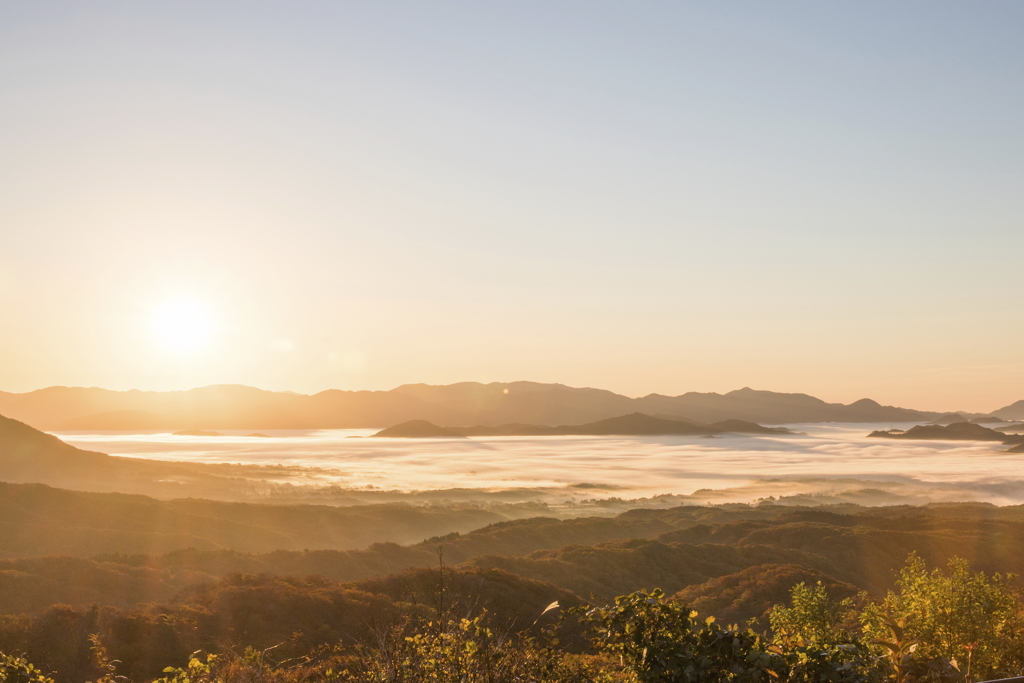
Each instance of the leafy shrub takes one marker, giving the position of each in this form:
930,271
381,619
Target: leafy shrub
940,623
661,641
18,670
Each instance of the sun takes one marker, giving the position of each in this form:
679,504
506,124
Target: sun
182,326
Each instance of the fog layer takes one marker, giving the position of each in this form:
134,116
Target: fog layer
827,463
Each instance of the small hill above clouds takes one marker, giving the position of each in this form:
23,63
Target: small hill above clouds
635,424
958,431
464,404
418,429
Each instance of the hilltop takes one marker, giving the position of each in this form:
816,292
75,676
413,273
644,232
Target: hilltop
463,404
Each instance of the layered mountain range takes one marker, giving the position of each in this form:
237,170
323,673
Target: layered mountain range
463,404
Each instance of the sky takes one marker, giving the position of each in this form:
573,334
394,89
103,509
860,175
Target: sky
644,197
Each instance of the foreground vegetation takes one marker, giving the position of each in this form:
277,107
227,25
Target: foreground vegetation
394,613
950,624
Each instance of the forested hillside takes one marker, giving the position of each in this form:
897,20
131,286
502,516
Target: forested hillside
734,561
40,520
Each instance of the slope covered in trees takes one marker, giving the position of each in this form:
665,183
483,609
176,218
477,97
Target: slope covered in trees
673,549
954,625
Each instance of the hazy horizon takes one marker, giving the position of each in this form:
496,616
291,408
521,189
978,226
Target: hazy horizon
310,393
812,198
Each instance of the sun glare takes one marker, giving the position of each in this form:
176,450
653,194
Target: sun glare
182,326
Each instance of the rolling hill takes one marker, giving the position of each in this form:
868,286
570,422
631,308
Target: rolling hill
40,520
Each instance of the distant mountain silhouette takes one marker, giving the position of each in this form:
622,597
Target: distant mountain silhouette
196,432
958,431
464,404
1014,411
635,424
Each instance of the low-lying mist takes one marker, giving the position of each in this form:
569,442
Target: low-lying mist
824,464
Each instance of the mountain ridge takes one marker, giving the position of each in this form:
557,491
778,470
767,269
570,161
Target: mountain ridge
464,403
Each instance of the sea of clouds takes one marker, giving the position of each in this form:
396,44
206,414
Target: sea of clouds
825,464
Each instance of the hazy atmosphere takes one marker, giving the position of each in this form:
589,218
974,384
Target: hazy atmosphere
511,342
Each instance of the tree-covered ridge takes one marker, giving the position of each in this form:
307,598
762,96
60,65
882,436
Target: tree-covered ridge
949,624
735,562
677,549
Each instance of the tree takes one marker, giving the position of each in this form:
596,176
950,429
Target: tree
661,641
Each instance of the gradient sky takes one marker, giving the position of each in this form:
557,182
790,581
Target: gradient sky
645,197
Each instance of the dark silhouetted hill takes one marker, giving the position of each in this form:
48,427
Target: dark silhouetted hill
636,424
463,404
